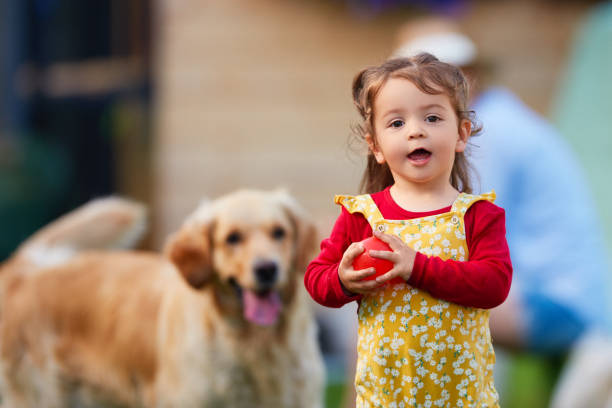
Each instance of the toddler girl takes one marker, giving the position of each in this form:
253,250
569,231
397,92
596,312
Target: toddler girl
425,342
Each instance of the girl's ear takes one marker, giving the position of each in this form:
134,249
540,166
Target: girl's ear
380,159
465,129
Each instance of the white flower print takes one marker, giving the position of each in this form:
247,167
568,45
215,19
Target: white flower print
380,361
435,323
416,330
437,308
396,343
422,371
423,340
415,354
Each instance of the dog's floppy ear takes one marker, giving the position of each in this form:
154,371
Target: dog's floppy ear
306,232
189,249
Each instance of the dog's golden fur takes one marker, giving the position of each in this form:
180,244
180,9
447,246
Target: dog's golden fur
86,327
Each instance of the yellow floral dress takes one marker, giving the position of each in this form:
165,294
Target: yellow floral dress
415,350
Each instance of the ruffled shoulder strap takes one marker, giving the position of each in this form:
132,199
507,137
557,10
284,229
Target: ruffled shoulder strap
360,204
464,201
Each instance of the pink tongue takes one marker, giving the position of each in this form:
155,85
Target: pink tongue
419,155
262,310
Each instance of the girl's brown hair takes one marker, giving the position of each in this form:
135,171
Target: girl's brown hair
431,76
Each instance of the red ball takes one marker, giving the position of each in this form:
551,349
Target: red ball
364,260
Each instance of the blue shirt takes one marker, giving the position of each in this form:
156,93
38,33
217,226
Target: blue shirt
556,245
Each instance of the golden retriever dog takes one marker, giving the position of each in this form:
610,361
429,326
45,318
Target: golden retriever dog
221,319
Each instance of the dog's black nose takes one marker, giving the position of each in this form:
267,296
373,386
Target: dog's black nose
266,272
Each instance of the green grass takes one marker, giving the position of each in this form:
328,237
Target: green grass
334,392
532,381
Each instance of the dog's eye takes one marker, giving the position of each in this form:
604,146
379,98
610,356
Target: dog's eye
233,238
278,233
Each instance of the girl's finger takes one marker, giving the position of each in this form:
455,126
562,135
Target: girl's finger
393,241
366,286
387,255
363,273
385,277
351,253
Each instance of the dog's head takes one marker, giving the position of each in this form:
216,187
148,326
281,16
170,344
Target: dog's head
250,247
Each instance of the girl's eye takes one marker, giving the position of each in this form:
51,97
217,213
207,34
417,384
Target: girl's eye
397,123
432,119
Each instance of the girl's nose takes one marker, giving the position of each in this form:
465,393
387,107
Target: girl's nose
415,132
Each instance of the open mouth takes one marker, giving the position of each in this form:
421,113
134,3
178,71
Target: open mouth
419,155
259,307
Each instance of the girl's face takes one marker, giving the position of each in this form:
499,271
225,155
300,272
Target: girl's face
417,134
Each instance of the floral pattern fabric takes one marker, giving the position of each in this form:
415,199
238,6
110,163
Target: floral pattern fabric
415,350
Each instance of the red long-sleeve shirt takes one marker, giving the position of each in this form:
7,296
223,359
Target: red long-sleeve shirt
482,281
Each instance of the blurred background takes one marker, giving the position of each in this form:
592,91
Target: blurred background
171,101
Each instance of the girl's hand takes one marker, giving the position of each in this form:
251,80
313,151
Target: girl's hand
352,279
402,257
